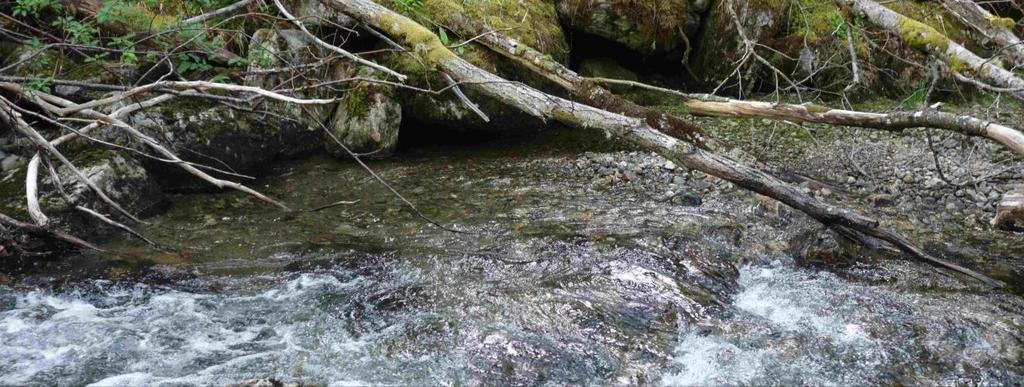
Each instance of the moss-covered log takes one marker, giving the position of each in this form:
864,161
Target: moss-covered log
928,40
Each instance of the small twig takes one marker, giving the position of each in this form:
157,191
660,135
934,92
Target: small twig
332,205
339,50
465,100
215,13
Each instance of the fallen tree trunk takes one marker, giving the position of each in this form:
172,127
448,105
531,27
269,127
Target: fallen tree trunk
588,91
930,41
1011,138
992,27
635,130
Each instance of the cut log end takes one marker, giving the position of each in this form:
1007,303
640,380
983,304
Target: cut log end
1010,211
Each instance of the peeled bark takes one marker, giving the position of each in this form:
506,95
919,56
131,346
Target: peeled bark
635,130
930,41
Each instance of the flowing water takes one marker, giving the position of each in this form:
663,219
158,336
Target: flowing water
553,280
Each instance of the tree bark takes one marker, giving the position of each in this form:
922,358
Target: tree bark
631,129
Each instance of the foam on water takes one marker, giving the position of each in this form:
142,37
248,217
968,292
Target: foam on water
794,326
142,335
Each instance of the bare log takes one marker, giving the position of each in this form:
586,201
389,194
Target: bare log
1009,137
634,130
715,106
930,41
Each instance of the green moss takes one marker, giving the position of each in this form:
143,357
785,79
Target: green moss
814,21
533,22
958,66
646,26
1002,22
356,104
921,36
425,43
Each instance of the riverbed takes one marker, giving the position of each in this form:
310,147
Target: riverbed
542,268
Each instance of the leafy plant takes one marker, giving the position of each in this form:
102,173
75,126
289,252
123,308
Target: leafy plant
39,84
33,8
189,62
78,32
409,6
127,46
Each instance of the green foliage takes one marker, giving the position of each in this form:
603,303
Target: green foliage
127,46
916,98
34,8
39,84
78,32
409,6
189,62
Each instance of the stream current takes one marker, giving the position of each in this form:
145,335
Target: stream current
557,280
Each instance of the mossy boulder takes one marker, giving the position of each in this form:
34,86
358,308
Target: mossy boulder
720,46
533,22
280,48
118,173
366,121
222,137
645,26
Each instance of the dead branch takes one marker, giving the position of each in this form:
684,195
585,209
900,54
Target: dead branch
56,104
10,116
715,106
339,50
44,232
218,12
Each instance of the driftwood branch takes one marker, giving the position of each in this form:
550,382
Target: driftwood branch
714,106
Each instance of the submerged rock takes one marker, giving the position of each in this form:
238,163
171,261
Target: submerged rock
823,248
